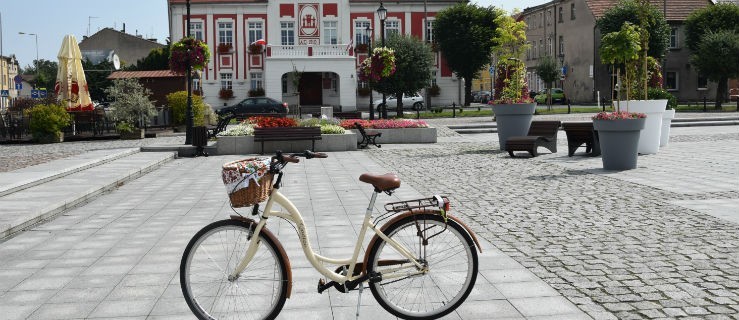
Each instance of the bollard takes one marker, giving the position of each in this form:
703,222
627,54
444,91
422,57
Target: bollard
704,103
568,106
454,110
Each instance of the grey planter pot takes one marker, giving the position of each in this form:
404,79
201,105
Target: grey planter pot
513,120
619,142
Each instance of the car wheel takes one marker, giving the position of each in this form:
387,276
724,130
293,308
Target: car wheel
418,106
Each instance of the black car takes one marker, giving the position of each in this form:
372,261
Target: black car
254,105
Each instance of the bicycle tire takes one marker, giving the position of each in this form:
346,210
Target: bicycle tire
204,274
441,290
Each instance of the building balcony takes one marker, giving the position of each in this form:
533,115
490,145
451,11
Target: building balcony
310,51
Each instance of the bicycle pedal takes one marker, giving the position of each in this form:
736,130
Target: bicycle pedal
322,285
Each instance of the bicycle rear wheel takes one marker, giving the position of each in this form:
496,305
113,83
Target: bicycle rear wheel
258,293
449,257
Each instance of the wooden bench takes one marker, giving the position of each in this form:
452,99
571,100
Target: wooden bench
348,115
579,133
367,137
541,134
287,134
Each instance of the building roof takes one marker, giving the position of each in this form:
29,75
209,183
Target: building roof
677,10
144,74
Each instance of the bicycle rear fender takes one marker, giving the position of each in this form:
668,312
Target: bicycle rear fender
280,249
417,212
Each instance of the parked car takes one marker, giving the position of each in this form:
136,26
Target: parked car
414,102
481,96
254,105
558,95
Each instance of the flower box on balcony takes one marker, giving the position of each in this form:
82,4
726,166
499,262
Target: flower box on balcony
225,48
258,92
226,94
362,47
255,48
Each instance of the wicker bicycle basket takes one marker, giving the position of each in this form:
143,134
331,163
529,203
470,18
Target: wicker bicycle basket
243,184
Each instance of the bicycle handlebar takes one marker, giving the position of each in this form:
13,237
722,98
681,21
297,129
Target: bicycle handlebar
280,160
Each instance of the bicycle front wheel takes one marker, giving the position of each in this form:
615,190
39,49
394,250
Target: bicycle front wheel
450,267
259,292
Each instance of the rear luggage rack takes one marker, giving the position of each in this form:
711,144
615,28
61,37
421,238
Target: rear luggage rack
408,205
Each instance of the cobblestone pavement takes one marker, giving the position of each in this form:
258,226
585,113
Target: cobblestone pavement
629,245
14,157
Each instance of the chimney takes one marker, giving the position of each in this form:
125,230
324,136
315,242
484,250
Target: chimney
124,27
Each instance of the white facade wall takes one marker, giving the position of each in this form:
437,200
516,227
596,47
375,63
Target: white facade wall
278,61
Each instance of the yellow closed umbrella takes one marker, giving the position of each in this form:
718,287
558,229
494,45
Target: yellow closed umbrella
71,85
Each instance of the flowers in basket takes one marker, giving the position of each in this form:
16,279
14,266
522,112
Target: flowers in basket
190,50
380,64
618,115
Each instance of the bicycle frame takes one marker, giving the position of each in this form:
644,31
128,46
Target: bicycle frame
316,260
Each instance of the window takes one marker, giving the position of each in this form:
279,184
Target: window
671,80
226,80
561,14
528,50
572,11
430,31
284,83
361,34
561,45
225,33
550,49
702,82
329,32
287,33
196,30
673,38
533,54
549,17
391,27
433,77
256,80
256,31
541,47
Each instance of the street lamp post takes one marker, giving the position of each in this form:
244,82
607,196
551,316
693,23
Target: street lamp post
382,14
564,71
36,61
369,81
188,113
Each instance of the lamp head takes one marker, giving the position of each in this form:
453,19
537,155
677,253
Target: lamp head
382,12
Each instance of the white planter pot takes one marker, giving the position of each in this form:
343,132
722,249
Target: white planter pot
667,117
246,144
649,137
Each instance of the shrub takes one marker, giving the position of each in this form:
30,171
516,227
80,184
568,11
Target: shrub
242,129
332,129
384,123
47,119
272,122
659,93
177,101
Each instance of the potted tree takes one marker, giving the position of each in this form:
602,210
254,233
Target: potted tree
512,106
619,132
653,36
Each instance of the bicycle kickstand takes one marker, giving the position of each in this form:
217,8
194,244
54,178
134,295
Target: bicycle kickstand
359,298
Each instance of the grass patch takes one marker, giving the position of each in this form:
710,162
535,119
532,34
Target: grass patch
543,110
726,107
484,112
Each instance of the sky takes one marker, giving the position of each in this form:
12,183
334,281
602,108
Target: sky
51,20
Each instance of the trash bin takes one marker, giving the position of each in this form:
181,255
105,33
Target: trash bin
200,140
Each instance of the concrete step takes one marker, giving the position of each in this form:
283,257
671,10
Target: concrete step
34,175
476,130
704,123
25,207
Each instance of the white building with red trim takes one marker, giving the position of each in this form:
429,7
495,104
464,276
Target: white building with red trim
322,40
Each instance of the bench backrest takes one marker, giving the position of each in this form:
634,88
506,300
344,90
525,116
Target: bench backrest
577,126
288,132
544,128
360,129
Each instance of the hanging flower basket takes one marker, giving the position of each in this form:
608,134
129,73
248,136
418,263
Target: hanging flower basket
379,65
188,49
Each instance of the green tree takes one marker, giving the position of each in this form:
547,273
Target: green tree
714,25
45,72
465,34
158,59
548,72
633,11
717,58
131,102
97,78
413,61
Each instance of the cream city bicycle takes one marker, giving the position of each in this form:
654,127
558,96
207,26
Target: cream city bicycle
421,264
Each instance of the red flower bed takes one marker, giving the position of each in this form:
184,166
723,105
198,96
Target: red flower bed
272,122
384,123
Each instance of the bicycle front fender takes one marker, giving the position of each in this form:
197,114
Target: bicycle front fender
280,249
411,213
